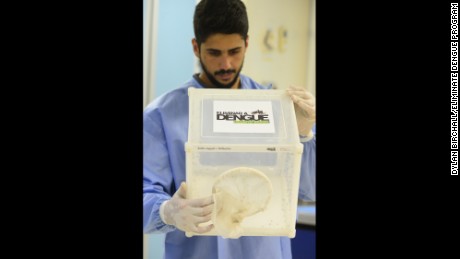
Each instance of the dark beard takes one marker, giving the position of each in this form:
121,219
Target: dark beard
217,84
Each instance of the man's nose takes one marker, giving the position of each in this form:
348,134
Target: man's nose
225,62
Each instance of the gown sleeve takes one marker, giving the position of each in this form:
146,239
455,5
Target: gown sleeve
307,183
157,175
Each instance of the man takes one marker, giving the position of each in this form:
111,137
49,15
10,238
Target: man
220,43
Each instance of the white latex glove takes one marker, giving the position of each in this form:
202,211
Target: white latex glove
305,110
186,214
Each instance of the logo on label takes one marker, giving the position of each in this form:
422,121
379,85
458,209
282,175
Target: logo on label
243,117
255,117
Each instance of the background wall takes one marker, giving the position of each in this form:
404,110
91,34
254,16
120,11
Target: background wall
281,44
278,42
169,58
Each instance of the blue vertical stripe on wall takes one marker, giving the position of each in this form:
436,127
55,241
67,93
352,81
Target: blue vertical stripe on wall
174,58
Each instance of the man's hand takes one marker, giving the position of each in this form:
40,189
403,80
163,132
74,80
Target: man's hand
186,214
305,110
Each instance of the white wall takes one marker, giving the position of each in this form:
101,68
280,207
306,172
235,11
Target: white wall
284,26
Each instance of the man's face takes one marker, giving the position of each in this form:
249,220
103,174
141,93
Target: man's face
221,57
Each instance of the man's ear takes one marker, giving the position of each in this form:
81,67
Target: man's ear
246,42
196,48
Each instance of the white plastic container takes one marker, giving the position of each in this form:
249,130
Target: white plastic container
251,129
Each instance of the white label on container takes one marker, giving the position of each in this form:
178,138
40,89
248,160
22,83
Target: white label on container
243,117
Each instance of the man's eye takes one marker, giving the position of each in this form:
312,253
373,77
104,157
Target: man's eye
214,53
234,52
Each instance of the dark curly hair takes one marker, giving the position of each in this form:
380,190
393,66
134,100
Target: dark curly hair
220,16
